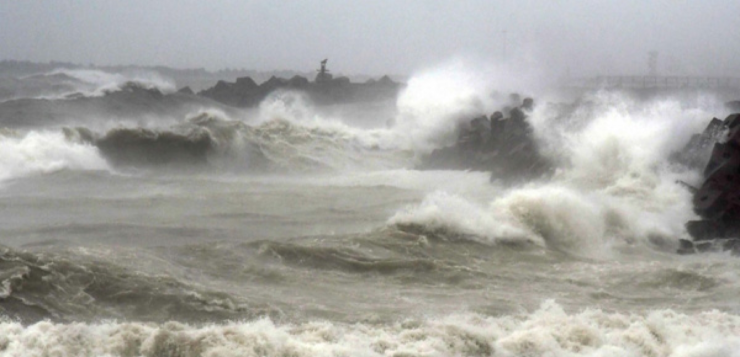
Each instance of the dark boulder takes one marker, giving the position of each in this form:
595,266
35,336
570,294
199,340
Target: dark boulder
387,81
273,83
222,87
325,90
341,81
245,83
503,146
185,90
697,152
298,82
138,89
717,200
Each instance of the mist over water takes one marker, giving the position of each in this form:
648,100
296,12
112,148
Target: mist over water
295,229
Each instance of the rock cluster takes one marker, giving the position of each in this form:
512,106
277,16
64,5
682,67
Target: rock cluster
324,90
502,144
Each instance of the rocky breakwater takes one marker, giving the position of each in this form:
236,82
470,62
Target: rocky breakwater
245,92
502,143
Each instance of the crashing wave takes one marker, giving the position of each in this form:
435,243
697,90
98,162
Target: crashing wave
23,154
547,331
208,141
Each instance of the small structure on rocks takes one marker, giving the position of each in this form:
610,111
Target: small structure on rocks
324,90
323,75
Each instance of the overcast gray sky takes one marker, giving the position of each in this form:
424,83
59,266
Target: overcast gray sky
699,37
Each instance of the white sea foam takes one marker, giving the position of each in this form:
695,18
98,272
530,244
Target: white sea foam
38,152
430,107
548,331
297,109
98,82
438,99
613,181
441,211
291,130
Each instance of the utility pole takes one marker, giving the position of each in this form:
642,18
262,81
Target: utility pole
504,33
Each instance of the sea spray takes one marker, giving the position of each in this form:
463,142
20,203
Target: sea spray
438,99
44,152
614,183
98,82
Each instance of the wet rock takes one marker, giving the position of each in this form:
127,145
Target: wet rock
717,201
341,81
697,152
325,89
298,82
273,83
136,89
185,90
245,83
503,146
385,80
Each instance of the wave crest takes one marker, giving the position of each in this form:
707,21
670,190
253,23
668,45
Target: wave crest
39,152
547,331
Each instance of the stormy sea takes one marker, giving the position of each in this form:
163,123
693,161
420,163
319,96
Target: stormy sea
138,221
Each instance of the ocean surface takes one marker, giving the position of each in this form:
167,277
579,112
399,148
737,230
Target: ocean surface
307,231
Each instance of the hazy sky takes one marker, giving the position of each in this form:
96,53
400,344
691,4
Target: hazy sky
379,36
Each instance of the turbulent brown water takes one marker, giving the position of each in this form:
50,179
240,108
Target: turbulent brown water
292,230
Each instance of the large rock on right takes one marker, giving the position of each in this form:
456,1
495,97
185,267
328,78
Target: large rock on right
717,201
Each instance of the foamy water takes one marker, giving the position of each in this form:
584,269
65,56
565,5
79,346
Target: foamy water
546,331
296,233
